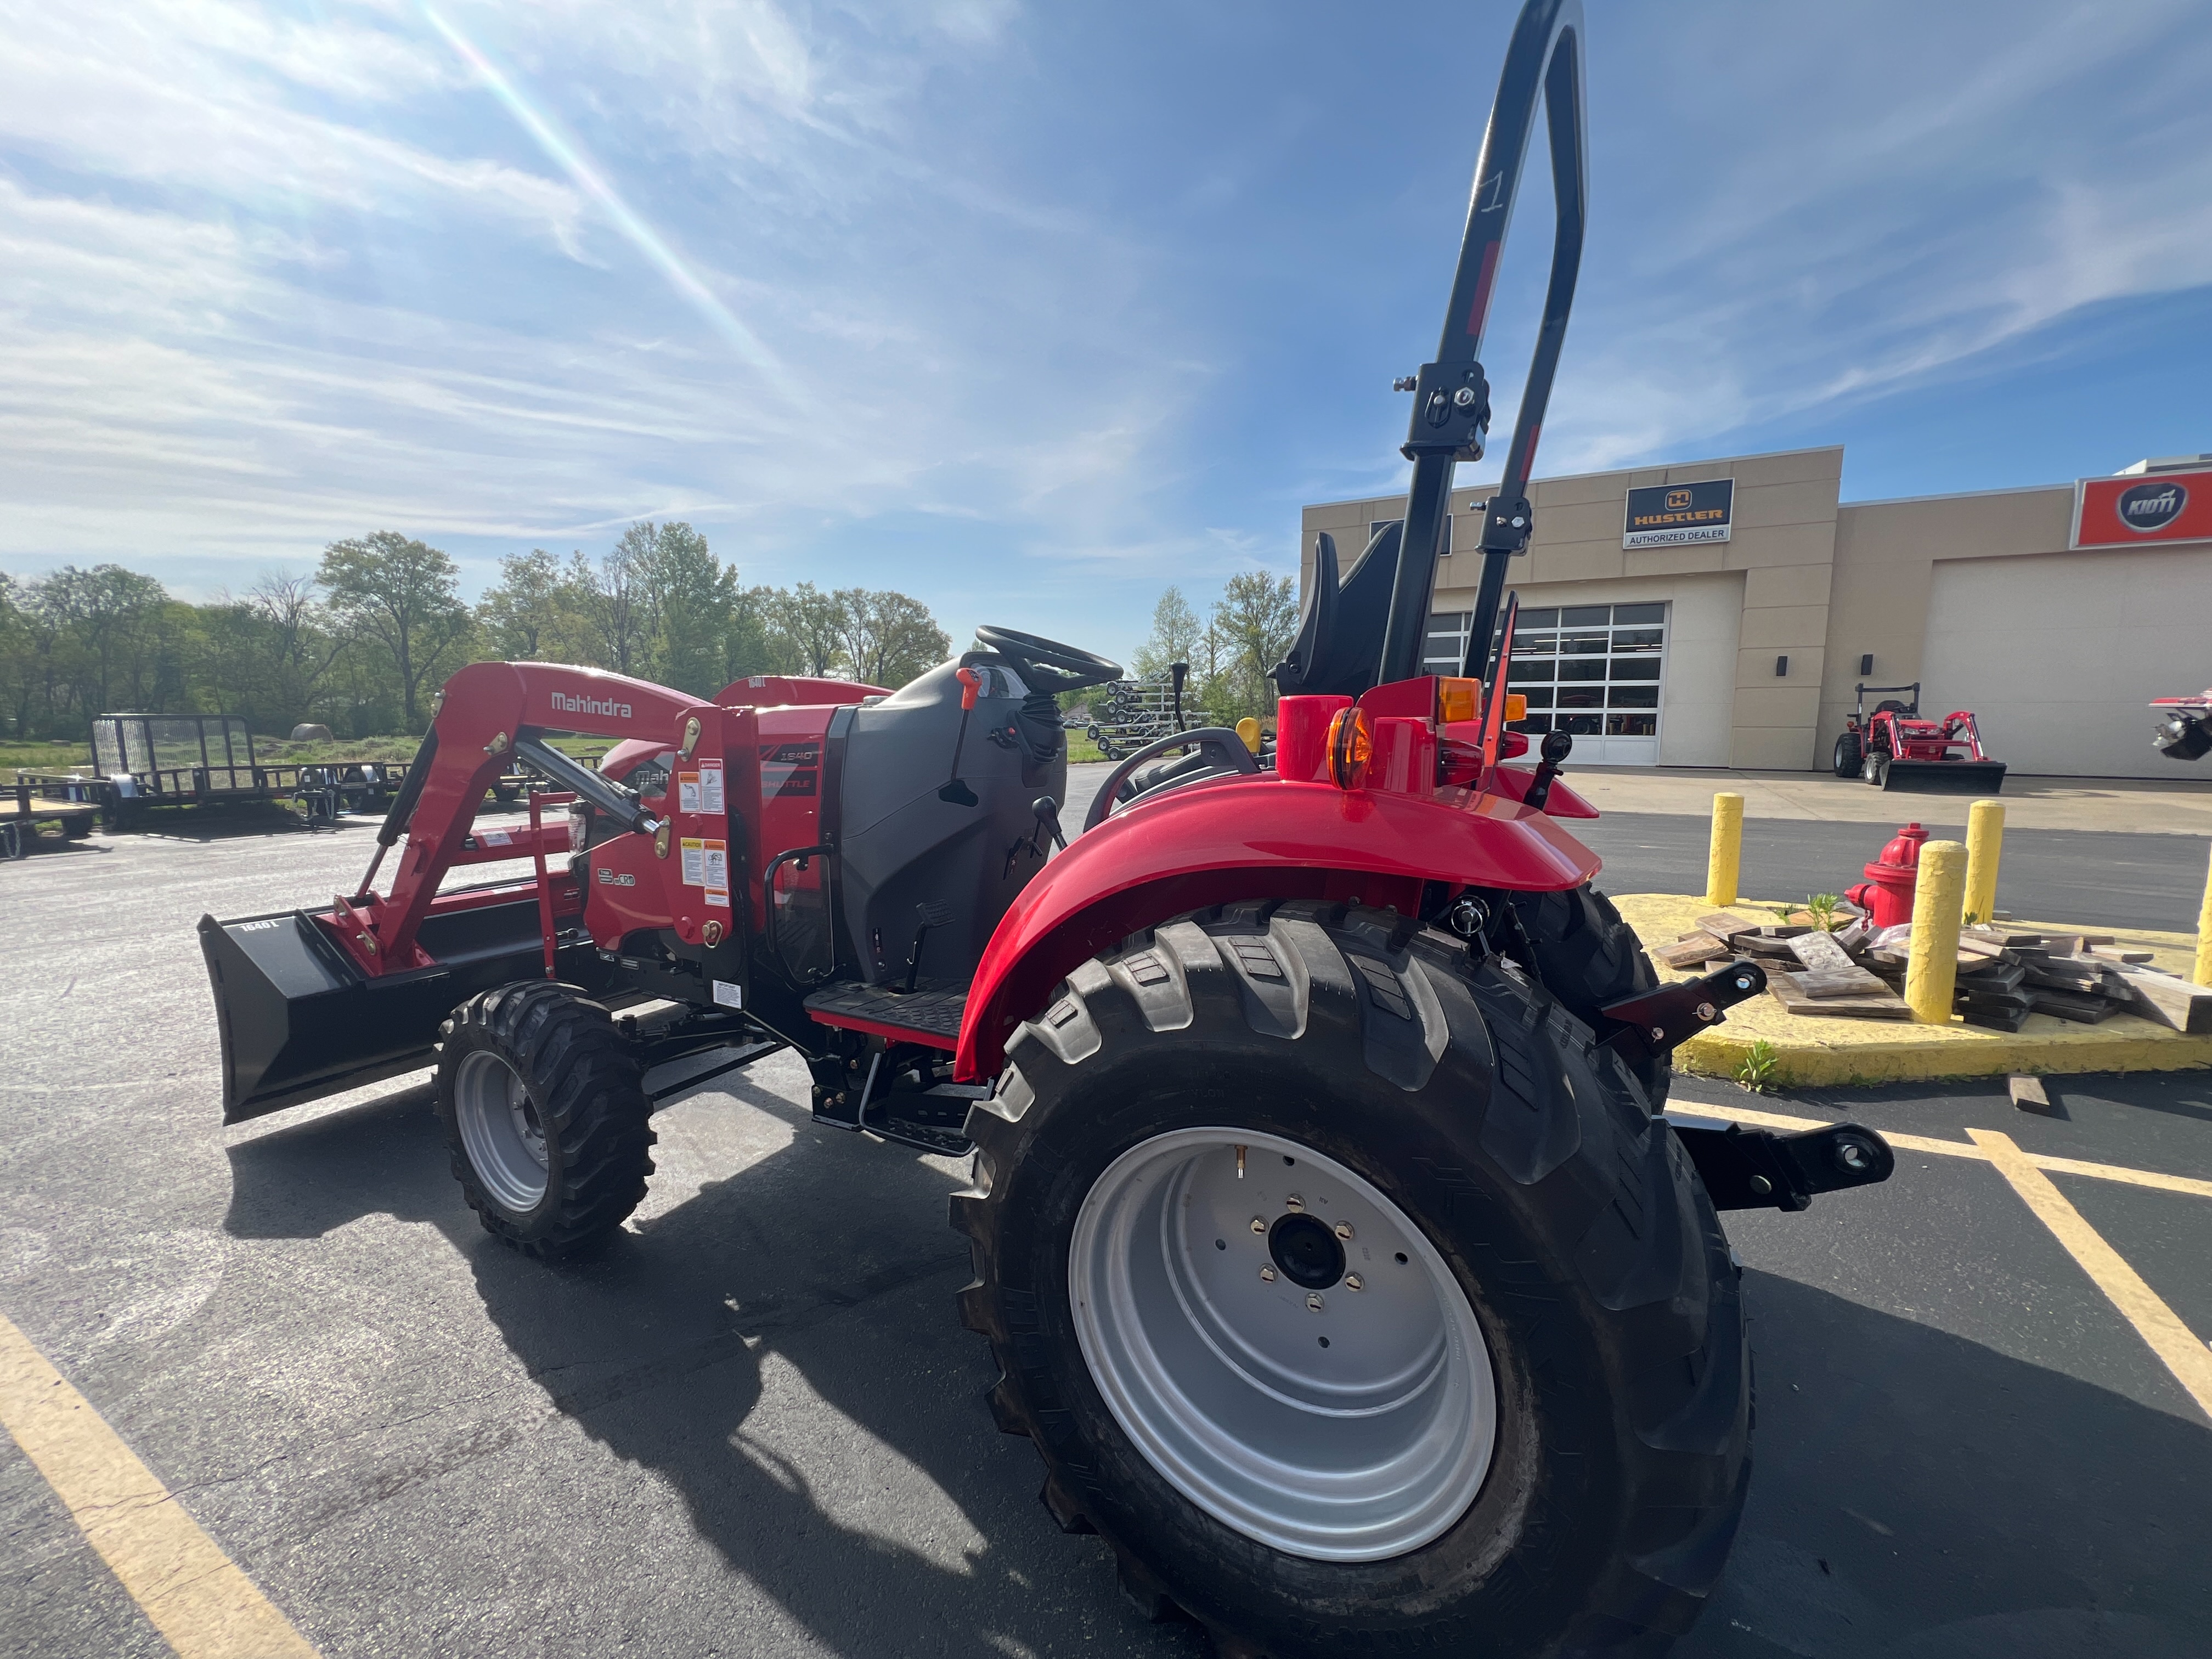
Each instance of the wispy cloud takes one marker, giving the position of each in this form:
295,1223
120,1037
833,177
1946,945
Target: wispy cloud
1024,307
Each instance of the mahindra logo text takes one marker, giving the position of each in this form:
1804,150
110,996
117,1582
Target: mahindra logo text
565,704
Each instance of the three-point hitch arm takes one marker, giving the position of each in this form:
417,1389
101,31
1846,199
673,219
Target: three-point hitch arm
1451,396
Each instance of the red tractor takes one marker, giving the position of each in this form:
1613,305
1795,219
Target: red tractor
1893,748
2184,726
1326,1236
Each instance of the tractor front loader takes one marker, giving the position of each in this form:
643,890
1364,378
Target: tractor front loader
1329,1241
2184,726
1895,748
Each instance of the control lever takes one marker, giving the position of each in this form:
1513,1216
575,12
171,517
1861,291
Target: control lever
1177,674
1047,814
1558,745
934,913
955,791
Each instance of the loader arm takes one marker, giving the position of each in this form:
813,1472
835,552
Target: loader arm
490,712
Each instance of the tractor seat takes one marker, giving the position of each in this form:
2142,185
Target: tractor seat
929,1014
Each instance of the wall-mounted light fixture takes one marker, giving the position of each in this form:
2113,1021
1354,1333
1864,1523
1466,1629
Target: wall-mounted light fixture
1866,663
1781,667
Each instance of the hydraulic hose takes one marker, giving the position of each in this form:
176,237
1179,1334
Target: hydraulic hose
619,804
402,809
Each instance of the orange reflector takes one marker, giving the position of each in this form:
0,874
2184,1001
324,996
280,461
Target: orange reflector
1458,700
1351,747
1517,705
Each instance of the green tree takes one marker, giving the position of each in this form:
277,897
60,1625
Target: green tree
19,676
403,596
112,642
530,612
747,648
693,604
1176,634
805,629
615,607
888,637
1254,622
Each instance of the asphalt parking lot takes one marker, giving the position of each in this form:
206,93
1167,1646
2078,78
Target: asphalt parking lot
754,1427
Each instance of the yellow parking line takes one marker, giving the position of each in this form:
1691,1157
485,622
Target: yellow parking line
2189,1360
1904,1143
202,1605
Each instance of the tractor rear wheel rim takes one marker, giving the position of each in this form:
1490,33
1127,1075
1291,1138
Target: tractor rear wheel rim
1347,1421
501,1130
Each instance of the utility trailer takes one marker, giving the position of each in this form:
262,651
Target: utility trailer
1331,1246
64,801
146,763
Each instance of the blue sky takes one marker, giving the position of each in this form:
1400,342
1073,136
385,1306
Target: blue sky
1031,310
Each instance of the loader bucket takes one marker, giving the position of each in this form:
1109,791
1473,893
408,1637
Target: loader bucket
1958,777
300,1020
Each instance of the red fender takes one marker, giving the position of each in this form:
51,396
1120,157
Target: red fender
1243,838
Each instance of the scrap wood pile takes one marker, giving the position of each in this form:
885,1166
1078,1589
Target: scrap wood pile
2005,973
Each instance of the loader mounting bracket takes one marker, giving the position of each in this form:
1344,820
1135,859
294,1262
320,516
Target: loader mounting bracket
1757,1170
1656,1022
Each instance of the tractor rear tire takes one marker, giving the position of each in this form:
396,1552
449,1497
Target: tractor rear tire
1848,754
546,1116
1258,1128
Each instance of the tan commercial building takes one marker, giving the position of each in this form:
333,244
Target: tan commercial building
1720,613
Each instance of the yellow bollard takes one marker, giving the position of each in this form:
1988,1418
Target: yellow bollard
1726,857
2203,975
1985,843
1931,972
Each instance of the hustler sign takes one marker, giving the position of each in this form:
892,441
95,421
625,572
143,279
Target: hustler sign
2137,508
1670,515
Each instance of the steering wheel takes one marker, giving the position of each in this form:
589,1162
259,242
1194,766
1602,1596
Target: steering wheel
1222,751
1048,665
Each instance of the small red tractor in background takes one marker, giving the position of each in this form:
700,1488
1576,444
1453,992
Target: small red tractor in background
1893,748
2185,733
1327,1234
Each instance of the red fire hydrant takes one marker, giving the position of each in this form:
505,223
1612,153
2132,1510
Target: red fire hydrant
1887,893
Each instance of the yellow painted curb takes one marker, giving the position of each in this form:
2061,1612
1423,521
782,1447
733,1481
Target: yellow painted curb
1813,1053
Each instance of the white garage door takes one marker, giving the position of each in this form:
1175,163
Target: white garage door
2057,655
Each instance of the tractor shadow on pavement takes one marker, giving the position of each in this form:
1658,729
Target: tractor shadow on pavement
781,1349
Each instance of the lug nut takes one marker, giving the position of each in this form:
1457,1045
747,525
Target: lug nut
1313,1300
1294,1204
1344,1230
1258,1225
1353,1282
1266,1275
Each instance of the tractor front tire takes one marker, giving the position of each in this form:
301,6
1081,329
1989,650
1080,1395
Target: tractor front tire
1586,957
545,1115
1875,769
1848,754
1355,1296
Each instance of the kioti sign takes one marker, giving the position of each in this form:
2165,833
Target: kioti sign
2137,507
1670,515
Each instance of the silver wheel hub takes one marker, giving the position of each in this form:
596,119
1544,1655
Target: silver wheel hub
1283,1344
501,1131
